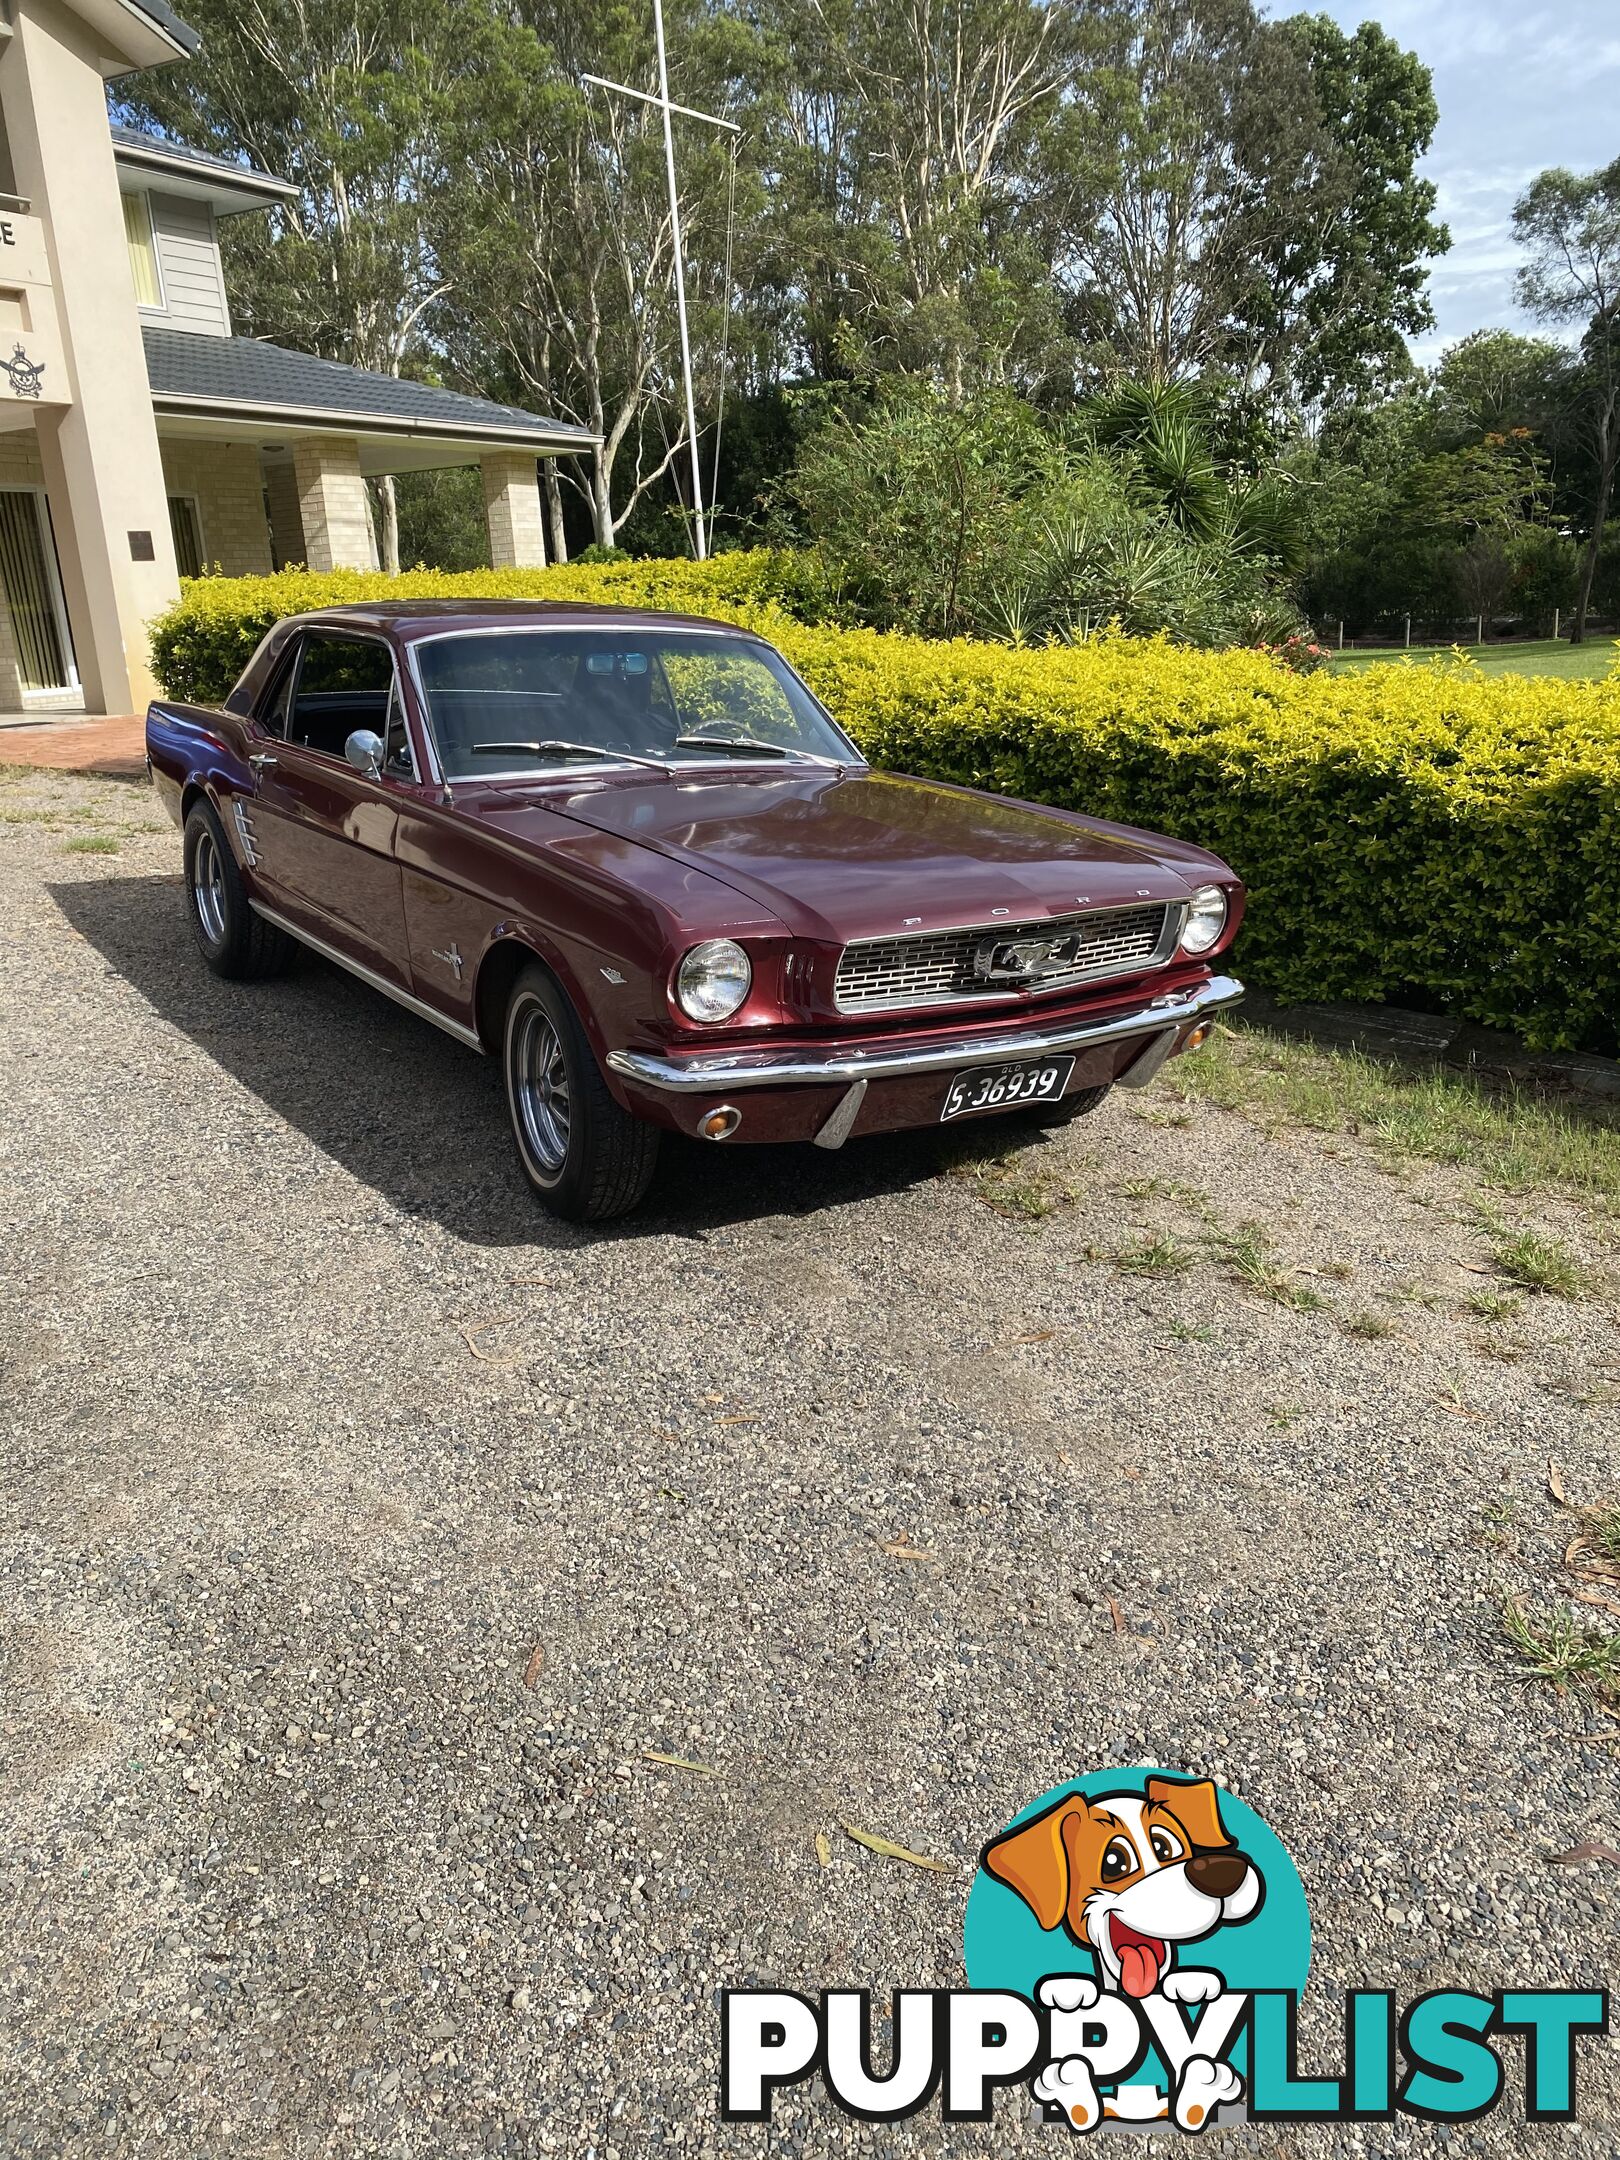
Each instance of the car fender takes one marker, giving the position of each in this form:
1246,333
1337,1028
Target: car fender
511,944
611,942
188,753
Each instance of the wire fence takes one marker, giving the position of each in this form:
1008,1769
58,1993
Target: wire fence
1400,632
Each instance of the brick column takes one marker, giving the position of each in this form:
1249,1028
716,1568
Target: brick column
332,504
517,538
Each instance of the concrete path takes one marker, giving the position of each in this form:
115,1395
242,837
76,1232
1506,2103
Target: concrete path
115,749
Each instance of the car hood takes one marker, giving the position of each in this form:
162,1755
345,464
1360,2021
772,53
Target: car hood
838,856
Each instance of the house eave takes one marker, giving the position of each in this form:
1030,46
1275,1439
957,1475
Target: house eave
327,420
231,192
165,24
132,36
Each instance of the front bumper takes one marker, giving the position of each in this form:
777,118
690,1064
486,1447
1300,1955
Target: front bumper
1160,1025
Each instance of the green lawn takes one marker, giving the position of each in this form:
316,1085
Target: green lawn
1539,656
1511,1137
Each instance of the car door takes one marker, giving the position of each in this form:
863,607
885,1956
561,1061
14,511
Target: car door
325,831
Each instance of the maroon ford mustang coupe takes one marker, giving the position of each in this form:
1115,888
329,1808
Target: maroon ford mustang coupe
632,855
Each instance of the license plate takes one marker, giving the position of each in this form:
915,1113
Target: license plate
1004,1087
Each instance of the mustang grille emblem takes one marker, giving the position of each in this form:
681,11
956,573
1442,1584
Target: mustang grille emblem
1025,960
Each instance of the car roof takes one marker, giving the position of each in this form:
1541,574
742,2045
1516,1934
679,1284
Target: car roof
407,618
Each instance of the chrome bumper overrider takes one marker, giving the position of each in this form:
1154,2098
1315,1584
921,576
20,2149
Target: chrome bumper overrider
706,1072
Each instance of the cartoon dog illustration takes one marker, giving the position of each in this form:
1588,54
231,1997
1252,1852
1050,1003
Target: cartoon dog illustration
1132,1877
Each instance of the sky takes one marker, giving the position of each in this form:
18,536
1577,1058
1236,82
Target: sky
1519,88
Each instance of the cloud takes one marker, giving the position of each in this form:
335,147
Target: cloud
1518,90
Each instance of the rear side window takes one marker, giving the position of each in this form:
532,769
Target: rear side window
343,684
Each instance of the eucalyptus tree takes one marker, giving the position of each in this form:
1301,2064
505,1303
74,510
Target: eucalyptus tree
1338,291
347,99
903,145
1494,381
1154,213
1238,194
1569,227
554,233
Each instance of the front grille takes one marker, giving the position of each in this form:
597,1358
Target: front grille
884,974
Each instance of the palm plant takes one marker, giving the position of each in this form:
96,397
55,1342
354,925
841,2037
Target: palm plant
1261,518
1173,460
1163,428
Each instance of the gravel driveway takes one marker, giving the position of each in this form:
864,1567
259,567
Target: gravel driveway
363,1529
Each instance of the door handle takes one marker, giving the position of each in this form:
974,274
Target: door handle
262,760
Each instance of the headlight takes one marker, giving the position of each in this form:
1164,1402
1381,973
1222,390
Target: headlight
713,979
1206,919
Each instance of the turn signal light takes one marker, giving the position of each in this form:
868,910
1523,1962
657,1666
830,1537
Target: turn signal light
720,1124
1199,1035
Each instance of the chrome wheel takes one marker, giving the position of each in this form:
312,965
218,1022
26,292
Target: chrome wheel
208,888
586,1155
538,1080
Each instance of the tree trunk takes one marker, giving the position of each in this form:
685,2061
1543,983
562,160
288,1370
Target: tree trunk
1608,446
368,495
388,496
554,510
601,499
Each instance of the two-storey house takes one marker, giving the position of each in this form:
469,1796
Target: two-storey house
140,441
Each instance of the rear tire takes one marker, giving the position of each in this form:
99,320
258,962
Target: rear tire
234,942
586,1158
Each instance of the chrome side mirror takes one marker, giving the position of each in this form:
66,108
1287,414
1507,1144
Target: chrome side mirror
365,752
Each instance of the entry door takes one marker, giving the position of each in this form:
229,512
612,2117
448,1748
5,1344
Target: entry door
33,593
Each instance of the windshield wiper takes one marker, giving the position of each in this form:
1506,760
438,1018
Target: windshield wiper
748,742
566,749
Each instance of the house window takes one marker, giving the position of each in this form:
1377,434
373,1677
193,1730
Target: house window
143,262
32,591
186,527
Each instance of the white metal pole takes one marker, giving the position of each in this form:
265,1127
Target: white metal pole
700,544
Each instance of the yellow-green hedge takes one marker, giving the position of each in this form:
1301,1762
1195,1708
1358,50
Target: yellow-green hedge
202,644
1403,830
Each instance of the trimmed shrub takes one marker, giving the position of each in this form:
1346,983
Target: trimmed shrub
1405,831
201,644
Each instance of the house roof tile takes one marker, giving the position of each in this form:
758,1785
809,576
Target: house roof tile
276,386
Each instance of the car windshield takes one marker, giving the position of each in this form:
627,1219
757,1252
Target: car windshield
514,701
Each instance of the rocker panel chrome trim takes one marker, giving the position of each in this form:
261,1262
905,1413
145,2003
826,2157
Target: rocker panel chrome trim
370,977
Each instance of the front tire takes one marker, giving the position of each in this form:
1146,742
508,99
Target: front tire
234,942
1068,1107
586,1158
